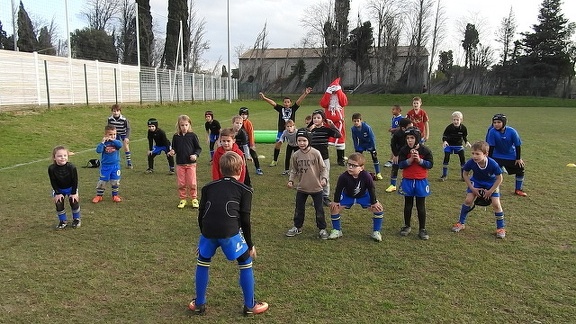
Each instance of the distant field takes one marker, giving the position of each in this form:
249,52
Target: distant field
134,262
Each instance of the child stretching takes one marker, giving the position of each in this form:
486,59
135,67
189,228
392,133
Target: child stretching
415,159
225,207
356,186
484,184
289,136
454,138
364,140
122,131
109,164
227,143
307,167
64,180
186,147
158,136
212,131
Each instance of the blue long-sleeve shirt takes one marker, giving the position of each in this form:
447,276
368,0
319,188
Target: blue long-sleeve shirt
363,137
110,151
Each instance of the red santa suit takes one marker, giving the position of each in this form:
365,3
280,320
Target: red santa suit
333,101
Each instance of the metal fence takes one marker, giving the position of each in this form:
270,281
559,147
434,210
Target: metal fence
35,79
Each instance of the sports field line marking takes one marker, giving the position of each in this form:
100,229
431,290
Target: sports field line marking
48,159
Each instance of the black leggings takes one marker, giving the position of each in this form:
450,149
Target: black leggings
420,207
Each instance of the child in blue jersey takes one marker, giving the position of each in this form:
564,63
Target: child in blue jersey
355,186
109,164
394,126
397,141
364,140
213,128
454,138
484,184
415,159
225,208
505,147
64,180
158,136
122,131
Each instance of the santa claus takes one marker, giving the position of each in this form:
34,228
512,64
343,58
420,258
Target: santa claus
333,102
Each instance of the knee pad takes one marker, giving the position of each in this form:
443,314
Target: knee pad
101,184
114,183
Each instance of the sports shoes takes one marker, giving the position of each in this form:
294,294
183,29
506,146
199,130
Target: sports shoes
62,225
259,172
259,308
323,234
326,201
391,188
195,203
501,233
379,176
76,223
335,234
273,163
504,170
423,234
388,164
182,203
171,172
519,192
129,165
97,199
404,231
341,163
197,309
458,227
286,172
293,231
376,236
443,178
149,171
116,199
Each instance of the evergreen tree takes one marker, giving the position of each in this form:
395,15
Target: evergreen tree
93,44
360,43
146,32
27,41
177,12
45,45
470,44
3,38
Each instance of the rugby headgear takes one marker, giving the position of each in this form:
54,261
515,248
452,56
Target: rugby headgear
153,121
243,111
414,131
319,112
303,132
500,117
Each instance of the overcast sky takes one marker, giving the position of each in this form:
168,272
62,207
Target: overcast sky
283,19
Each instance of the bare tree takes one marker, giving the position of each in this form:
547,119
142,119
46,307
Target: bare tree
198,45
126,42
419,34
438,33
256,60
101,13
505,35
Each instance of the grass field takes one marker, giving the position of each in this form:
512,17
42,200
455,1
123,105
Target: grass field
133,262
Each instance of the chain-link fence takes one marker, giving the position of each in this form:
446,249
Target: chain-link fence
35,79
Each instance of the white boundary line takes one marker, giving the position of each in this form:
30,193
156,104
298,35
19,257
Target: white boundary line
47,159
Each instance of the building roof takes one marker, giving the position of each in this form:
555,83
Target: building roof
283,53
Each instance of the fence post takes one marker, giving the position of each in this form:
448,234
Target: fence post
115,86
37,77
98,82
86,84
160,88
47,85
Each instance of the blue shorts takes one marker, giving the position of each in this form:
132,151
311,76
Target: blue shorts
156,150
484,185
361,149
453,149
65,191
213,137
415,188
347,201
109,172
233,247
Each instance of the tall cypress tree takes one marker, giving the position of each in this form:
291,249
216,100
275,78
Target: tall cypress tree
3,37
27,41
177,11
45,45
146,32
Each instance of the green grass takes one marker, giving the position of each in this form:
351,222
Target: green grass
134,262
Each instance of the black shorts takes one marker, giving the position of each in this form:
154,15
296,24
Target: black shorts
510,165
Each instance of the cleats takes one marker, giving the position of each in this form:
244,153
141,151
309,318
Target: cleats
129,165
259,308
273,163
76,223
116,199
293,231
423,234
171,172
259,172
197,309
379,176
286,172
62,225
391,188
376,236
501,233
388,164
148,171
323,234
443,178
519,192
341,163
458,227
195,203
182,203
97,199
335,234
404,231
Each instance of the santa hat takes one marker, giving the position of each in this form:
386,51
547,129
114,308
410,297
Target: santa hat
334,89
334,86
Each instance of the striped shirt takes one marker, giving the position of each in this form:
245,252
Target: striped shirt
122,125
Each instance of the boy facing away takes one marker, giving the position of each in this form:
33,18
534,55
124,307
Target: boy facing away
484,184
109,148
419,118
308,175
355,186
286,111
225,208
364,140
454,138
122,131
157,143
